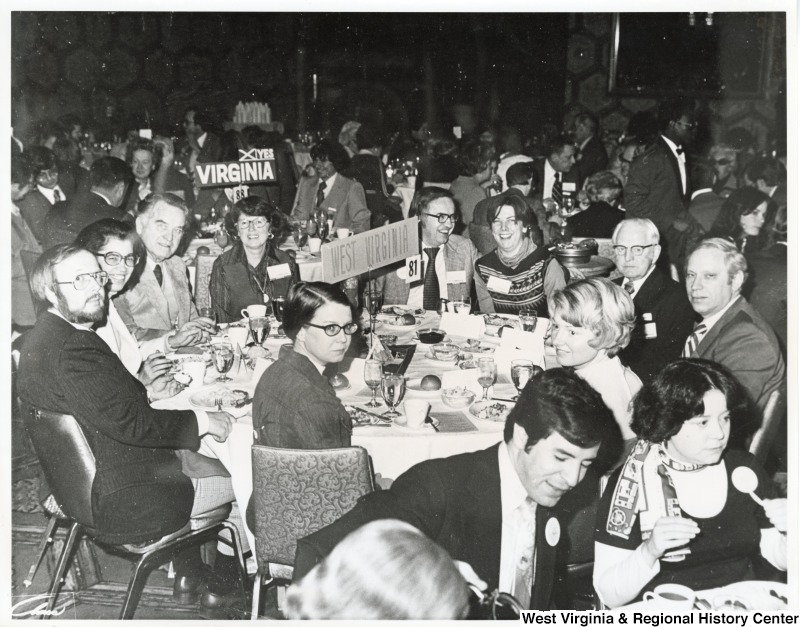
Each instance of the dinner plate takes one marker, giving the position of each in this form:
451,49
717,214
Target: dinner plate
392,325
426,427
204,399
758,595
399,310
479,410
362,418
477,350
432,357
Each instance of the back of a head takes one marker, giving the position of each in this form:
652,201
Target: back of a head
21,169
521,174
367,137
106,172
41,159
770,170
385,570
604,185
474,156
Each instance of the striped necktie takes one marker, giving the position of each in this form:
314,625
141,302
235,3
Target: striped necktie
557,195
628,287
430,287
694,340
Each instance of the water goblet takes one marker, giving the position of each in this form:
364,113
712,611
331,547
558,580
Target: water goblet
223,361
487,374
393,388
300,235
373,372
521,372
259,329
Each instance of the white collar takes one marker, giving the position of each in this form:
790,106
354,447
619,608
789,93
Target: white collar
330,181
585,141
714,318
637,283
673,147
696,193
103,196
512,492
202,139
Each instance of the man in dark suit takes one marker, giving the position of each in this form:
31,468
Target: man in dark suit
109,178
769,176
556,173
139,492
731,332
602,216
664,316
705,204
45,194
493,508
592,155
201,145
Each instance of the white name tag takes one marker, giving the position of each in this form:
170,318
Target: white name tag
280,271
567,186
457,276
413,269
498,285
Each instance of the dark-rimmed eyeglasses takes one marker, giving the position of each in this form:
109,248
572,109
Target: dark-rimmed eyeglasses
332,330
83,281
687,124
443,217
636,251
113,259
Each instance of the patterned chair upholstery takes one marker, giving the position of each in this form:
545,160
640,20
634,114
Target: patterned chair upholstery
298,492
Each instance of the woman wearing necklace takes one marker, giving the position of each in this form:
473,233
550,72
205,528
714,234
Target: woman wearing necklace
253,271
520,274
671,514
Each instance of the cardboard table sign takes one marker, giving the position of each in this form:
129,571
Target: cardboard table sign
256,165
522,340
459,325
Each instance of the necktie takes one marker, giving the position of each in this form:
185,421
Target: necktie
693,340
158,274
524,523
628,287
430,291
557,196
56,196
321,193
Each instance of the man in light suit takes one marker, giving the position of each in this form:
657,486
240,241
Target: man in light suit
341,198
592,155
473,504
664,316
450,274
731,333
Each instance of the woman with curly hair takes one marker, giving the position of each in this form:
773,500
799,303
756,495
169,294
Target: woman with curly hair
671,514
742,218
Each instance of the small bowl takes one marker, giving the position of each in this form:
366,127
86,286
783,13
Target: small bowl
458,398
430,335
444,351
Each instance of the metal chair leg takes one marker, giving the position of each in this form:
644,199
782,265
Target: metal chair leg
135,587
259,581
236,544
44,543
63,562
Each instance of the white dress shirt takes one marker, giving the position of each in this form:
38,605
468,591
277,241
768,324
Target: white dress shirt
50,194
681,160
637,283
549,179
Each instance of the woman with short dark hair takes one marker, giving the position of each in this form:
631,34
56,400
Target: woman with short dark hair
253,271
672,513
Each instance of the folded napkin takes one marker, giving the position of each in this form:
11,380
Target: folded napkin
453,422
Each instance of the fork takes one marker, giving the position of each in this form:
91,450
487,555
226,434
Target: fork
218,402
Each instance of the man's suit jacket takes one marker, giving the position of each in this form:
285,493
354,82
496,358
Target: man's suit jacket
459,254
67,218
745,344
566,177
346,197
593,158
139,491
34,208
705,208
599,220
666,302
455,501
209,152
144,308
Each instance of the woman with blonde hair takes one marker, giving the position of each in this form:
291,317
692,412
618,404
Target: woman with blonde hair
590,322
385,570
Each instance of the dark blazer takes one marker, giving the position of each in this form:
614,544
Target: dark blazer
566,177
34,208
593,158
455,501
667,303
705,208
745,344
67,218
599,220
346,196
139,491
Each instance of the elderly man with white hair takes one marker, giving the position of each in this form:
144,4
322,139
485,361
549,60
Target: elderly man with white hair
663,315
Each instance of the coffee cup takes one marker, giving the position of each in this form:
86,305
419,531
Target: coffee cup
671,597
314,244
238,336
343,233
196,369
254,311
416,411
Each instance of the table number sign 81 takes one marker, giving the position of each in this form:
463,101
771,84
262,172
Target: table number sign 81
413,268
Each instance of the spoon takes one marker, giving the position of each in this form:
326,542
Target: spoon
746,481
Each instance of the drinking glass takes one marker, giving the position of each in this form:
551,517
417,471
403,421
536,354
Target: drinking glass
373,303
393,388
278,303
259,329
487,374
527,320
300,236
208,312
521,372
373,372
223,360
462,305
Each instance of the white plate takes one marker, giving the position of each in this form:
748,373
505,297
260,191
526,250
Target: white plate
478,350
426,427
493,329
204,399
756,594
400,327
479,410
415,386
432,357
399,310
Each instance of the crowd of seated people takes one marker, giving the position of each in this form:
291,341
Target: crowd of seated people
662,374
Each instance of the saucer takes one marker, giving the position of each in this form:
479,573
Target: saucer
421,429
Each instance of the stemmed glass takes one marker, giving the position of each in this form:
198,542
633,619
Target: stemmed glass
393,388
521,372
300,235
373,302
487,374
259,329
373,372
223,360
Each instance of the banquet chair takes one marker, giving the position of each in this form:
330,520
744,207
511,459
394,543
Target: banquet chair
764,438
482,237
69,467
295,493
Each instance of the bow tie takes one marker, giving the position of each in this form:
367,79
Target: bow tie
679,150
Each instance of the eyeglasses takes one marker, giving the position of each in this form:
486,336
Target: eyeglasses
332,330
83,281
636,251
443,217
499,225
255,223
113,259
687,124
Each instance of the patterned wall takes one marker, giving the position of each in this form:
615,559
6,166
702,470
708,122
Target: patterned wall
588,59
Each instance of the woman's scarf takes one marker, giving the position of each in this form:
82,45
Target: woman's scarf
645,489
513,261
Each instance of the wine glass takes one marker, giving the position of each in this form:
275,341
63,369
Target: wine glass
373,372
393,388
521,372
373,302
300,235
223,360
259,329
487,374
278,303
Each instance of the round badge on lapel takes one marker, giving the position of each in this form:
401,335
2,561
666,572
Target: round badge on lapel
552,532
